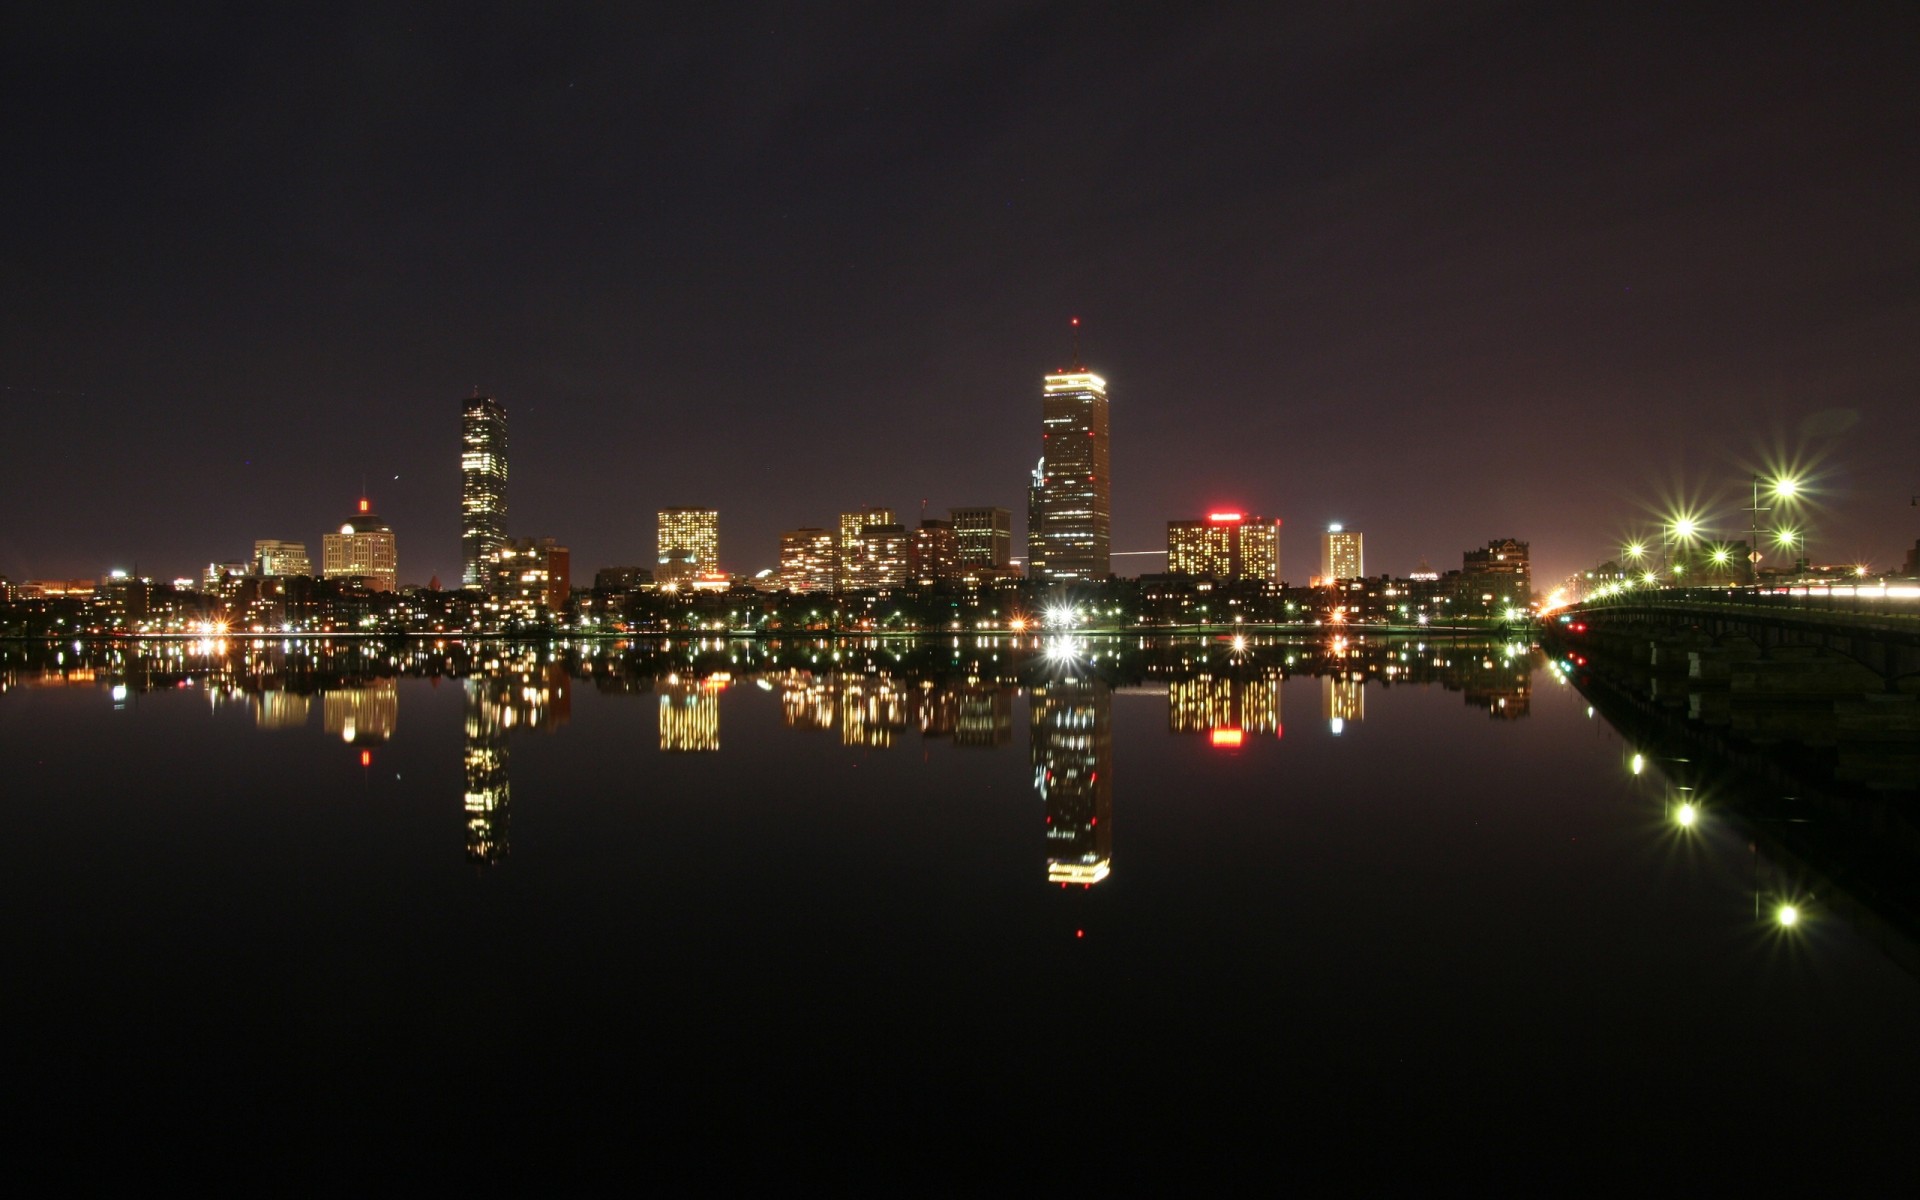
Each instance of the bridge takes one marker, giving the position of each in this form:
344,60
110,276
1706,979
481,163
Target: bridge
1834,672
1874,628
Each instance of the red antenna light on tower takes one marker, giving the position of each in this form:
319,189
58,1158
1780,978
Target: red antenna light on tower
1077,364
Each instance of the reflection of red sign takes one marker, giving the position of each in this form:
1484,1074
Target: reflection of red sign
1226,737
366,758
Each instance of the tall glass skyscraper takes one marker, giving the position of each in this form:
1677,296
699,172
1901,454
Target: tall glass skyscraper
483,487
1070,506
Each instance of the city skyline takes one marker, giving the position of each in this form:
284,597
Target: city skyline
1619,291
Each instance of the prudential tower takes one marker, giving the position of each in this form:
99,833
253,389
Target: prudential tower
1070,506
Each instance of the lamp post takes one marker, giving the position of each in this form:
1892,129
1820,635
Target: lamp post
1680,532
1783,488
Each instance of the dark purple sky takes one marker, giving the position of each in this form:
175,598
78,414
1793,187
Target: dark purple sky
1441,272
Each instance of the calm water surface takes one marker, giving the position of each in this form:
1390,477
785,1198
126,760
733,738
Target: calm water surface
974,913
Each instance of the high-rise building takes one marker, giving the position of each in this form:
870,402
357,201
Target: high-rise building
274,557
363,549
1225,546
1070,517
881,557
532,573
1340,555
984,536
689,542
807,560
850,551
483,487
1499,577
935,552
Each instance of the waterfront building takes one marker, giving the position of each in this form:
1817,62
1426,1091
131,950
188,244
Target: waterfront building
935,556
1070,508
849,550
881,557
1228,546
1500,577
983,536
1340,555
363,549
274,557
483,487
808,559
689,541
530,574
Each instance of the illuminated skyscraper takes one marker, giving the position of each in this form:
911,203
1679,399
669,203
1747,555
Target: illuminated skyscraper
807,559
851,550
935,552
880,557
1340,556
364,548
483,487
689,544
530,574
1070,516
1225,546
984,535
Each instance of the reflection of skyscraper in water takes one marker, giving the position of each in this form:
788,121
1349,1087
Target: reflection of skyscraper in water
277,709
1343,698
984,717
806,701
972,714
488,811
1072,731
872,711
528,695
361,715
1220,705
690,714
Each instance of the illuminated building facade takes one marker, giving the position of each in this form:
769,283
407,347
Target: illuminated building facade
1070,509
1340,555
274,557
1500,576
689,541
529,574
1225,546
881,557
808,560
983,536
935,553
483,487
850,550
1072,747
363,549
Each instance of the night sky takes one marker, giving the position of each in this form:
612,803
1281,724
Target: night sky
1443,273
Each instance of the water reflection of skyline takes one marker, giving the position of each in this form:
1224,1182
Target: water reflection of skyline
874,695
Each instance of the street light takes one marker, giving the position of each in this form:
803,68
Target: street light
1783,488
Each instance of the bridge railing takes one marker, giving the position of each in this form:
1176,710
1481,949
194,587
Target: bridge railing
1892,599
